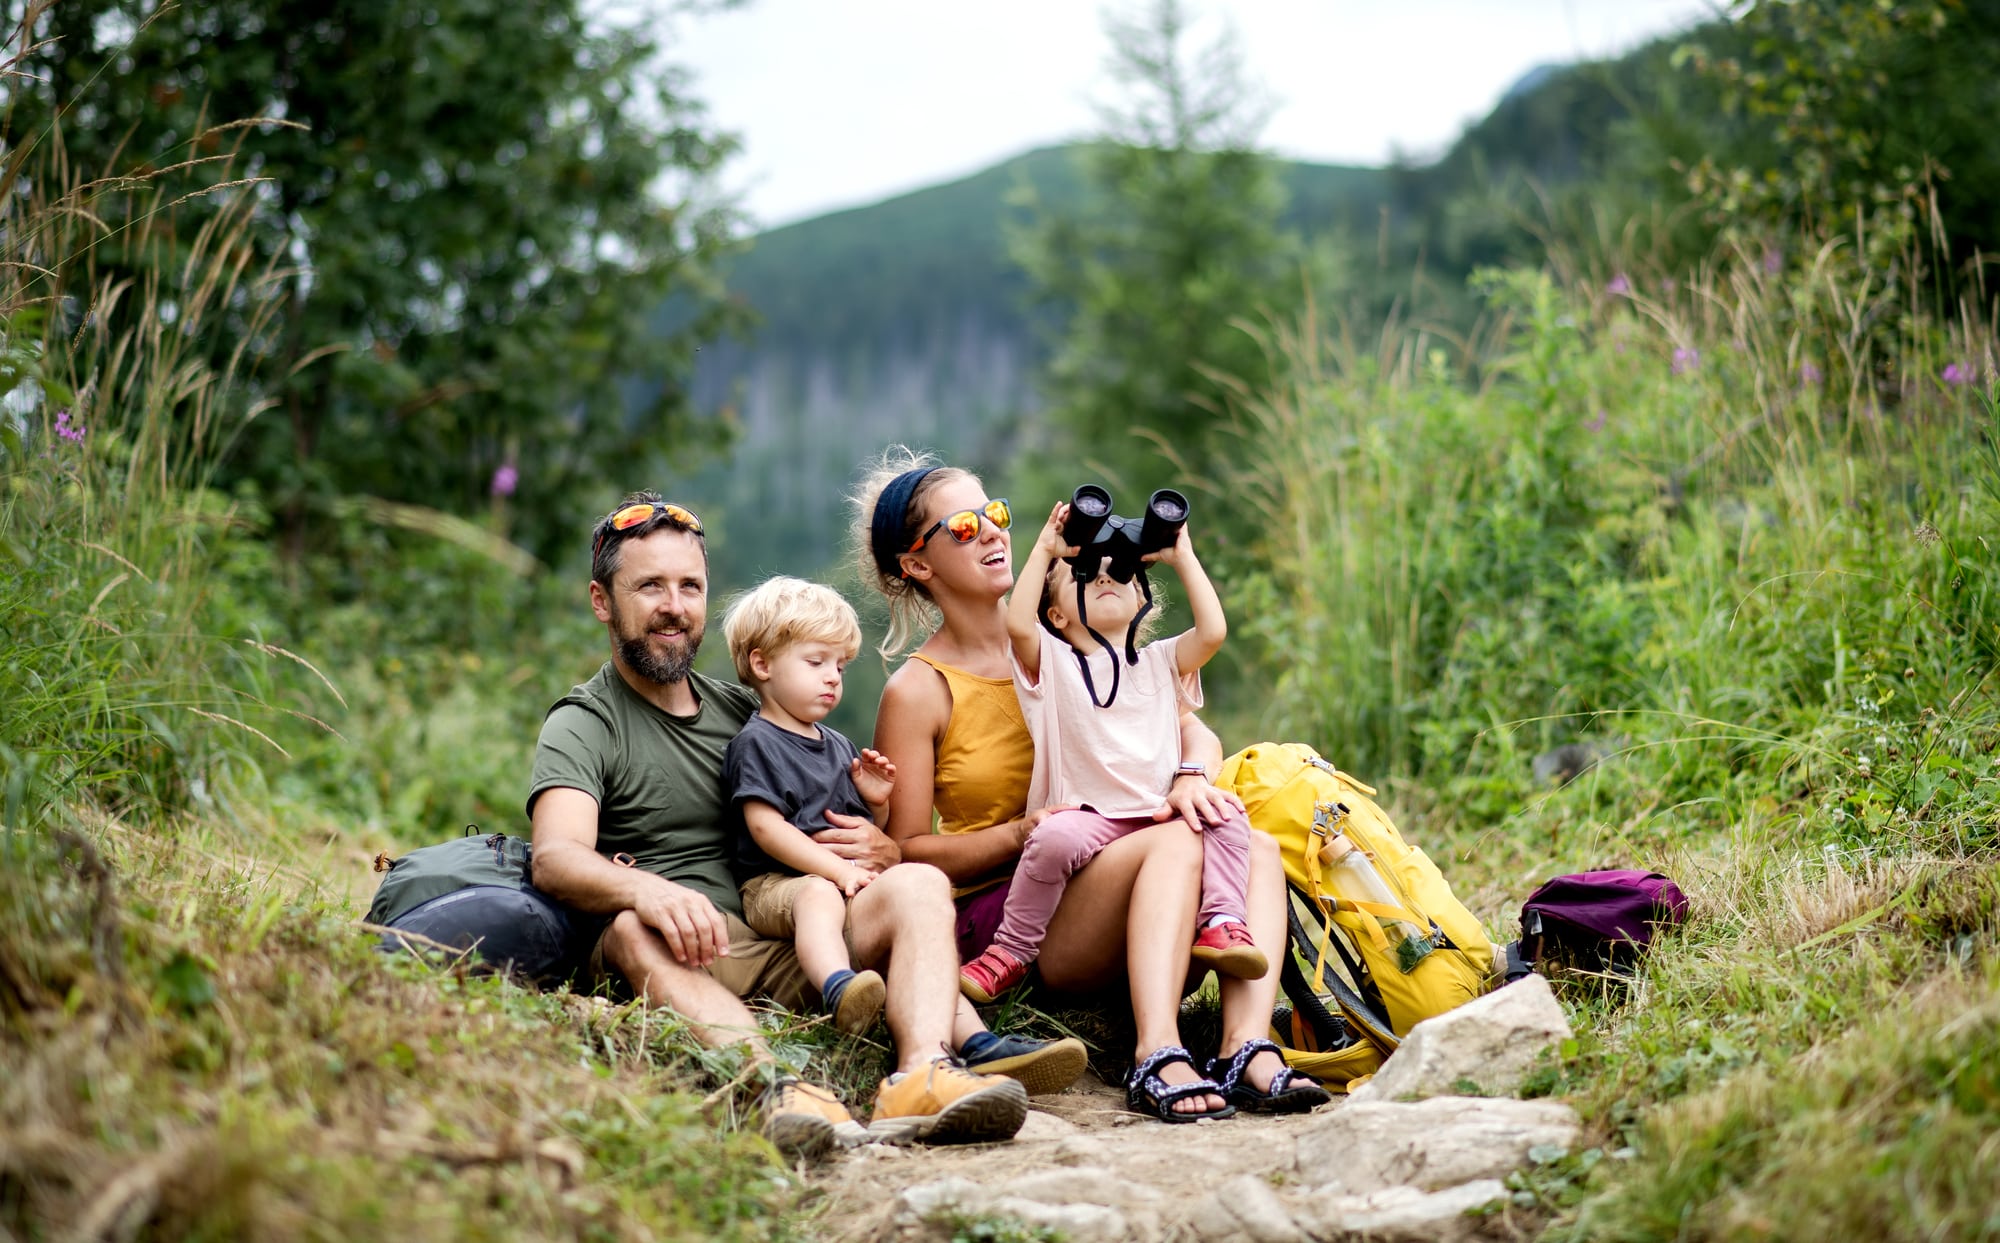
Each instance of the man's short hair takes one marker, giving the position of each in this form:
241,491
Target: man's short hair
607,543
782,612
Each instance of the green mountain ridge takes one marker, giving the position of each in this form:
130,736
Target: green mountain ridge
907,320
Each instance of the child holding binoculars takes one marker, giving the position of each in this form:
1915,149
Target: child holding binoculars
1110,759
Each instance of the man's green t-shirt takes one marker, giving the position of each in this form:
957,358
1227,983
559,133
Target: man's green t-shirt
657,778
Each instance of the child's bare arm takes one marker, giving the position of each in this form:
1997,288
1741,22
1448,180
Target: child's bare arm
1024,623
1198,645
874,778
788,844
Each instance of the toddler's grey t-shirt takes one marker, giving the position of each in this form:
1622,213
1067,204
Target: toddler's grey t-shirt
804,778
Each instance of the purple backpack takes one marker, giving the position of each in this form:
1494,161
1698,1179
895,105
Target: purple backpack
1600,921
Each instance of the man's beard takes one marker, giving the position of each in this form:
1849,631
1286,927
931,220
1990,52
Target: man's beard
662,669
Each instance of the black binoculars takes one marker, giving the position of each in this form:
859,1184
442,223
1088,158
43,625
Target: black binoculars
1098,533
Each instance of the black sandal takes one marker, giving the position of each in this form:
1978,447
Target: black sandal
1290,1092
1147,1093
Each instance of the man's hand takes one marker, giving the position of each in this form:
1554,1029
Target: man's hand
1194,801
859,842
874,776
690,924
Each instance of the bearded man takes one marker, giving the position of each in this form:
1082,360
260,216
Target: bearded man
632,824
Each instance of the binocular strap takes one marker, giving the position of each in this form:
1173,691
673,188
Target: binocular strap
1131,641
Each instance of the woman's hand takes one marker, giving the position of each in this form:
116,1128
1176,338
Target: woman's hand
1194,801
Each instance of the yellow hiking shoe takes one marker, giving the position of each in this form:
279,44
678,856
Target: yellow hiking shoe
807,1122
944,1103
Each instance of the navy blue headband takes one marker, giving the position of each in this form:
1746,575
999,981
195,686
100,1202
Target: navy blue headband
892,514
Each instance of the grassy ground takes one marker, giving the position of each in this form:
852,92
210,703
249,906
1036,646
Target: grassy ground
1732,529
200,1044
1732,526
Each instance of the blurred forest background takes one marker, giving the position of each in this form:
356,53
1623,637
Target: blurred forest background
1655,418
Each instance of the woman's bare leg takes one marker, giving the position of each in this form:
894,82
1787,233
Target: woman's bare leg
1133,907
1246,1004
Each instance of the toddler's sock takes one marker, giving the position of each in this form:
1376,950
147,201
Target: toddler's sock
835,985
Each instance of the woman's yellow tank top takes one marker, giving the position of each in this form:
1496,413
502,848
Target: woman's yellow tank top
986,757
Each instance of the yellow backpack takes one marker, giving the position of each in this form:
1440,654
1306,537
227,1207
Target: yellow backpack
1344,960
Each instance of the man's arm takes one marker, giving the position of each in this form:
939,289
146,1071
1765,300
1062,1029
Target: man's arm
568,868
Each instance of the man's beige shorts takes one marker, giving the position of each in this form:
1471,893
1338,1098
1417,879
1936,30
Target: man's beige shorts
755,966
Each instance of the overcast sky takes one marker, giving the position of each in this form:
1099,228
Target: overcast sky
846,102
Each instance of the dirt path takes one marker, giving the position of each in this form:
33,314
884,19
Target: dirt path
1082,1147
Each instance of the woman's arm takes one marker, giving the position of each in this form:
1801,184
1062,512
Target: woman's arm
916,707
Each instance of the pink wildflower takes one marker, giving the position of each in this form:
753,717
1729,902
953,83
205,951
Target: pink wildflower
72,432
1619,286
505,480
1686,360
1957,374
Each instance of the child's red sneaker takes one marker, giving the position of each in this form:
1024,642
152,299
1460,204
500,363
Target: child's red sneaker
991,974
1228,948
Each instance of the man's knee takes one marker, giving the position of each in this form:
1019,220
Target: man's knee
914,883
624,937
907,895
640,954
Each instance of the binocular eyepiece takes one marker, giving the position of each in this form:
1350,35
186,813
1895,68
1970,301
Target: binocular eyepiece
1098,533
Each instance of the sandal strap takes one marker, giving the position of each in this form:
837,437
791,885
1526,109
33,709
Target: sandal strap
1166,1095
1146,1081
1165,1055
1239,1063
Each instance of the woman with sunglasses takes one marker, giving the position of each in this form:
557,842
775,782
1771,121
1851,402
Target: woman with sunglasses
938,549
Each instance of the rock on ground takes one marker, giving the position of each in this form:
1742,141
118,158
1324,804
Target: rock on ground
1085,1167
1489,1045
1370,1146
1407,1215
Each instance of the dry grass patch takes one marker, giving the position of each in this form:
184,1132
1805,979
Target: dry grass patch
245,1063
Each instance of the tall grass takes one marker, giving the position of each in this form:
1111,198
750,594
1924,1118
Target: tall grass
116,694
1731,519
1733,527
197,1039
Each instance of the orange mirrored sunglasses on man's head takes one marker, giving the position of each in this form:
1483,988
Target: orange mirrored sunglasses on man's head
963,526
632,515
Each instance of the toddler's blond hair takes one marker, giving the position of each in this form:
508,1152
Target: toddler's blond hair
782,612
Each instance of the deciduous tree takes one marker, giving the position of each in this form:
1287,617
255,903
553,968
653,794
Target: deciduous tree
468,209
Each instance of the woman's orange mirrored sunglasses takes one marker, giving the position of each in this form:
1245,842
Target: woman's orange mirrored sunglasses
963,526
632,515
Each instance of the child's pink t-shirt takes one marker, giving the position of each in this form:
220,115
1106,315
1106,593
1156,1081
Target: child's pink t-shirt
1117,761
